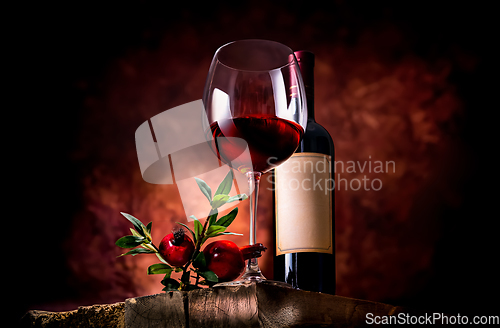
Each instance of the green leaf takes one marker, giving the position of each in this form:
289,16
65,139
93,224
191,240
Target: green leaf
134,232
209,276
227,233
215,229
158,255
198,227
129,241
226,220
189,229
137,223
200,262
225,186
205,189
212,217
237,197
219,200
170,284
136,251
148,227
159,268
167,275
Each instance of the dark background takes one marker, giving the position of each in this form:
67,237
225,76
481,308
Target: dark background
69,62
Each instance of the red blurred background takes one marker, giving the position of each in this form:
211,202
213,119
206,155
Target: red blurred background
403,83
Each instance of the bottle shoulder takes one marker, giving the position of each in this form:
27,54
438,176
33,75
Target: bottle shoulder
314,128
316,139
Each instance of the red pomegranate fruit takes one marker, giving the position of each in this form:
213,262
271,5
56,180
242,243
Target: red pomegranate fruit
225,259
252,251
176,248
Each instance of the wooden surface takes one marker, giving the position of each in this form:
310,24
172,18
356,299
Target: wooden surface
243,306
107,315
160,310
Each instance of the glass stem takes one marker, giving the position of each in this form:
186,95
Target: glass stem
253,271
253,186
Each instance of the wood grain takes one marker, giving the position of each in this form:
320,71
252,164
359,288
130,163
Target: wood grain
156,311
224,307
253,305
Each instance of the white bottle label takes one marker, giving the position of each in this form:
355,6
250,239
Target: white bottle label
304,204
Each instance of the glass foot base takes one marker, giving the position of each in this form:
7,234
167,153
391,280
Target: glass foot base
253,275
253,281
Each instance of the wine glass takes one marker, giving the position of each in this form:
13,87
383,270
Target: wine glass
255,103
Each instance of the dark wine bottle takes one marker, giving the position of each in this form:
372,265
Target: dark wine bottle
304,199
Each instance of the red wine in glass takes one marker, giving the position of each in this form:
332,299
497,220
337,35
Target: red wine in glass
270,141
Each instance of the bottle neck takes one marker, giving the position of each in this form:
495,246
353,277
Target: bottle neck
305,60
310,104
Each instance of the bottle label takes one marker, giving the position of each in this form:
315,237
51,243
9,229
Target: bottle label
304,204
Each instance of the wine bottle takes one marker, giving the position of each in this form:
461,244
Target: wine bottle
304,199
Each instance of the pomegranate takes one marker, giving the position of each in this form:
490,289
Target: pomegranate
176,248
225,259
252,251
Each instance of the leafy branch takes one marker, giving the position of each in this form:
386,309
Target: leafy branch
197,264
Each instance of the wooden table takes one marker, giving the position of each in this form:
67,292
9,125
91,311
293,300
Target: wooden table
242,306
